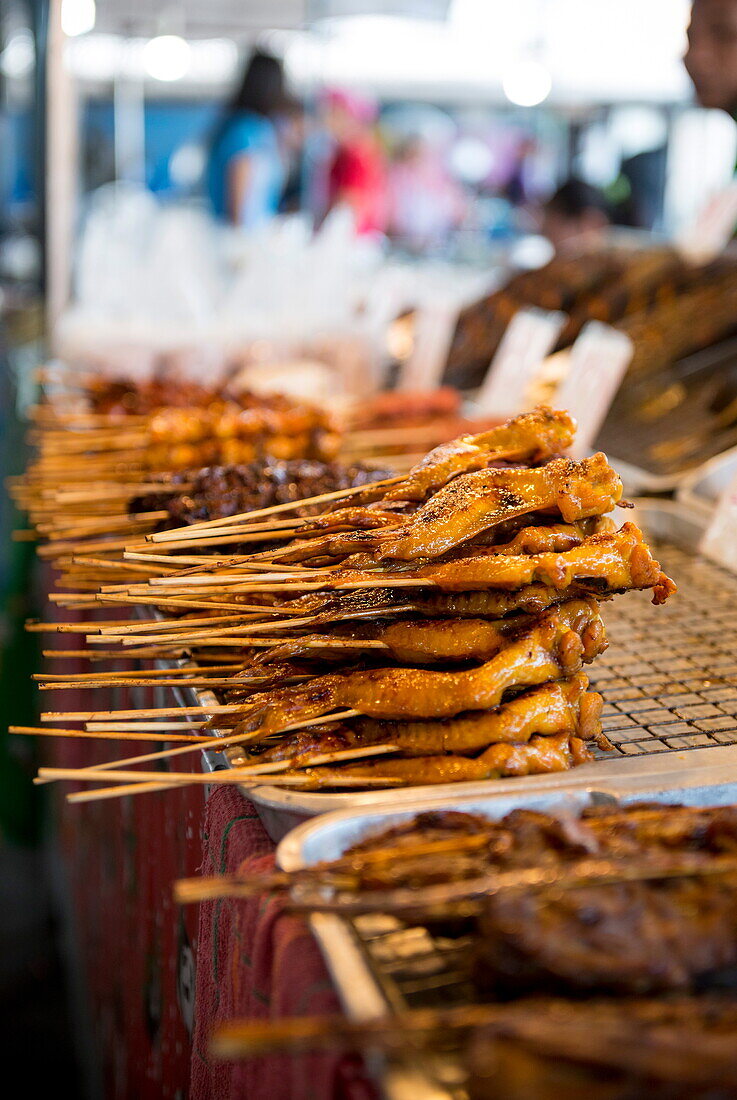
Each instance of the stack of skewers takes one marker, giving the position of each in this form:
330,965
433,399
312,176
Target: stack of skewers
457,608
116,443
595,951
118,459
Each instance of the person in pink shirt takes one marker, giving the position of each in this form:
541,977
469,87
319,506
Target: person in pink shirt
356,173
425,202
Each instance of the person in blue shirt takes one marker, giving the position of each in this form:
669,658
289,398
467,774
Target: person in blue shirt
246,170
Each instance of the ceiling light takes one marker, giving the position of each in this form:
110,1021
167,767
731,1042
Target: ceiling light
77,16
527,84
166,57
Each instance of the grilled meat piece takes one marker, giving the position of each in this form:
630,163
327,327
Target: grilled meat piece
222,491
540,755
681,1049
529,438
563,707
473,503
623,937
552,649
619,561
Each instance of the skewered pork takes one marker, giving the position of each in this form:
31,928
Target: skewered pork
216,492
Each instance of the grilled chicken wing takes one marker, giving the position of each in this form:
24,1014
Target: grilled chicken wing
552,649
531,437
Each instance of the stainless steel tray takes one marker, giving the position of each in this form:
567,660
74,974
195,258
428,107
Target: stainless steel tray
669,681
380,965
700,490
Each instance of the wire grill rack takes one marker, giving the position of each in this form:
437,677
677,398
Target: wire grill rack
669,681
418,969
669,677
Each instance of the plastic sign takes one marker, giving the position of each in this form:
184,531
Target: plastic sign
598,362
713,229
435,325
529,337
719,541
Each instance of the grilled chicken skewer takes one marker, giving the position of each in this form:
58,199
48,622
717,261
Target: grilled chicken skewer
551,650
562,707
530,438
618,562
474,503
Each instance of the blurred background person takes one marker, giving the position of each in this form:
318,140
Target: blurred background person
424,203
293,132
356,169
518,188
711,54
247,166
576,212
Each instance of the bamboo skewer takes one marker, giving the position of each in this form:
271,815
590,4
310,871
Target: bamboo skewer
226,579
339,757
245,640
290,506
137,727
145,653
48,731
164,673
180,560
216,743
173,602
327,584
143,626
468,894
94,526
71,628
249,1038
113,489
124,567
242,774
118,791
244,626
141,712
554,1034
226,540
285,781
229,777
52,550
142,681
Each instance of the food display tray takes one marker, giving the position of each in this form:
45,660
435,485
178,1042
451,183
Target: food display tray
381,965
669,681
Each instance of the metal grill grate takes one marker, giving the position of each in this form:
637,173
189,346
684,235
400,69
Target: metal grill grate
669,677
417,969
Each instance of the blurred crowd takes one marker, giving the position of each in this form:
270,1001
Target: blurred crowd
403,172
266,154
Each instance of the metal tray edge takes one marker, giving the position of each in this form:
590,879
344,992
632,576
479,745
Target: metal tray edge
681,783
